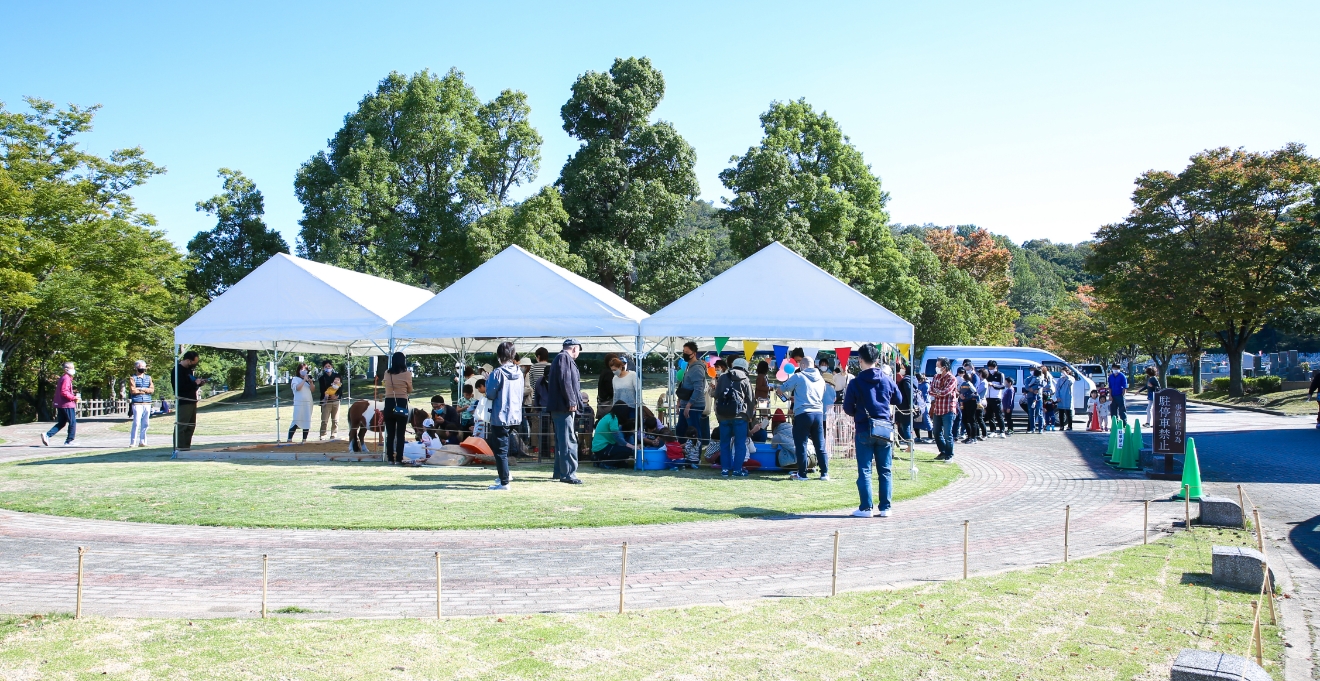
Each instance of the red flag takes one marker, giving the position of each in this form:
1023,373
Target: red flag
843,355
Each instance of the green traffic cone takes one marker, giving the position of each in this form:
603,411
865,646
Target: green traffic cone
1132,453
1191,479
1113,439
1124,437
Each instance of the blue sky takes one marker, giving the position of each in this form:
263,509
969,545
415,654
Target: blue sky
1030,119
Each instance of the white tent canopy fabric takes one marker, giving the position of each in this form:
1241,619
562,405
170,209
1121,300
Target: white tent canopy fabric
519,296
820,310
294,305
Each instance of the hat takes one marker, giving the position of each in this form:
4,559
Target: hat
778,418
525,362
487,368
570,342
740,363
428,423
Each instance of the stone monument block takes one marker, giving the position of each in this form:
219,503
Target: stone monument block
1237,567
1203,665
1221,511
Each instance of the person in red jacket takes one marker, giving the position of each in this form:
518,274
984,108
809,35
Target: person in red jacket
66,407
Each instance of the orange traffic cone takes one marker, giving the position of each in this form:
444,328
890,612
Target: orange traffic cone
1094,426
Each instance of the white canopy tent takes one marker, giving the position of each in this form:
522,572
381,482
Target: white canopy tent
290,304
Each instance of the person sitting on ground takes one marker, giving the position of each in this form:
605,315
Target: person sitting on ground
447,420
783,439
692,447
609,448
763,384
655,433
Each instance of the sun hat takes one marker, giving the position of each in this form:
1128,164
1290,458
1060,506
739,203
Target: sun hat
525,362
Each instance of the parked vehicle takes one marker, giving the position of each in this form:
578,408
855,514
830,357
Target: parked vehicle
1015,363
1095,372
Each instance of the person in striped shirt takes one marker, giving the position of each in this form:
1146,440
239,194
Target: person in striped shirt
943,408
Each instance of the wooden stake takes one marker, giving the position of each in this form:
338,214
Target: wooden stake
265,563
77,608
1145,524
1269,592
834,574
1067,516
1260,531
437,585
1255,630
1187,507
1242,505
966,527
623,576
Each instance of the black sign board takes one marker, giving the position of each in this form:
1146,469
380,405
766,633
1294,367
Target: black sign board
1169,429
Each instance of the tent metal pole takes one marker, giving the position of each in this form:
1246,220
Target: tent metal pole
637,421
275,376
670,402
912,420
175,453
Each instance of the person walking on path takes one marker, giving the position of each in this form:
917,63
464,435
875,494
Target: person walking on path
735,402
943,408
807,388
140,390
65,402
1064,388
1313,393
330,385
1118,384
563,398
871,396
1151,387
301,384
398,384
186,384
504,395
692,393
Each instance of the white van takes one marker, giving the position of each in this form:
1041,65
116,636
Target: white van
1015,363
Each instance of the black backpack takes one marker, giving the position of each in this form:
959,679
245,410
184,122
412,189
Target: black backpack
731,402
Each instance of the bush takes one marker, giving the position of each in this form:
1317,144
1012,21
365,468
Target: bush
1179,381
1219,384
1264,384
235,377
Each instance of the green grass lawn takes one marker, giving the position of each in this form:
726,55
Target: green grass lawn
1287,401
145,486
1124,615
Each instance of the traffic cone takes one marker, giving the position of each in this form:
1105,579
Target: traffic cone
1191,478
1132,453
1094,426
1124,435
1113,440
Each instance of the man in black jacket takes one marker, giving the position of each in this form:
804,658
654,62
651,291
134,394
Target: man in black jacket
329,398
562,400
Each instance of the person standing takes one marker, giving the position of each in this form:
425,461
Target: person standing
1118,384
994,410
903,412
140,390
301,384
1031,388
605,383
538,419
504,395
1008,400
734,405
330,384
943,408
871,395
1313,393
1064,389
398,384
692,393
186,384
562,401
1151,387
627,385
807,389
65,402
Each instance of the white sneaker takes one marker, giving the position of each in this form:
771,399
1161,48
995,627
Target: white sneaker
860,513
72,443
498,488
795,476
882,514
824,478
45,441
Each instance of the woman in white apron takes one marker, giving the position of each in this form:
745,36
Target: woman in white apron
302,402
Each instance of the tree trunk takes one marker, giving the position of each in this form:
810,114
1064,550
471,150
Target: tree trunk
1235,388
1234,340
250,377
40,405
1195,364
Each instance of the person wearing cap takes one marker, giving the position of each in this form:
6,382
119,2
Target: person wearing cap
562,401
733,424
871,395
807,389
140,388
330,385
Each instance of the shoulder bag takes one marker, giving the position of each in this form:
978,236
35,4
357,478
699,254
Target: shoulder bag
881,429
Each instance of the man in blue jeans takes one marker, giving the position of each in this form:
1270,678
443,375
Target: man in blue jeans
871,396
563,396
807,388
1118,386
734,402
1035,408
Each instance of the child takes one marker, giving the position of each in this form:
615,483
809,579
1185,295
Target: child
1102,403
479,409
692,448
1009,400
922,398
1050,406
1093,410
465,407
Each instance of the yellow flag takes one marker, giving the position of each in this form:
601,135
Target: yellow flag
904,348
749,349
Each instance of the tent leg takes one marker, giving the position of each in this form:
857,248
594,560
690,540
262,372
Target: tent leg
175,454
637,420
275,380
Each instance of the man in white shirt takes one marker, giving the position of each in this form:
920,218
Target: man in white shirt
994,409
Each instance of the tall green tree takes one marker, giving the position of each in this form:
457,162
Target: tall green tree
631,180
806,186
415,164
535,224
84,276
239,243
1232,241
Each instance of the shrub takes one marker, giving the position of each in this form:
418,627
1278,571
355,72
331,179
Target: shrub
1265,384
1179,381
235,377
1219,384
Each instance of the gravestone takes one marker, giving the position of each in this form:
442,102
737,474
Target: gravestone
1169,427
1257,364
1238,567
1221,511
1292,358
1203,665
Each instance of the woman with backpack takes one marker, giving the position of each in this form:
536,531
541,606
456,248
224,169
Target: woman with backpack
734,404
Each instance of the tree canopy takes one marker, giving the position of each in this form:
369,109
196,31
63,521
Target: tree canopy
240,241
84,275
629,183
